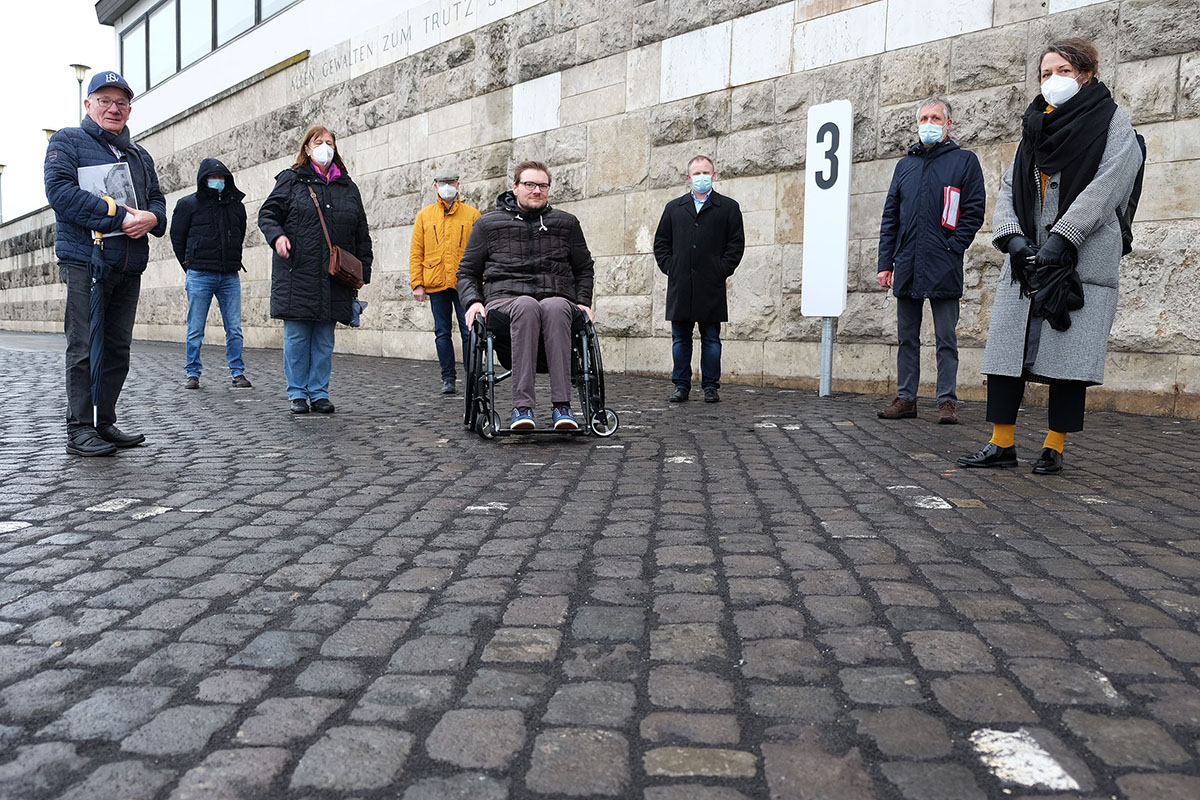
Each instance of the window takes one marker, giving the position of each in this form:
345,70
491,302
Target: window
195,30
233,17
175,34
163,62
133,57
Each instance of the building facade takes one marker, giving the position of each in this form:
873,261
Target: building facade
616,96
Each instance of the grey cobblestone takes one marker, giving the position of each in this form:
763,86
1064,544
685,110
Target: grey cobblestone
701,608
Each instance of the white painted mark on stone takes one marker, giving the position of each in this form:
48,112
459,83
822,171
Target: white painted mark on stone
270,455
532,464
610,447
152,511
930,502
792,427
116,504
681,460
1016,757
10,525
765,425
898,488
487,508
197,510
1094,501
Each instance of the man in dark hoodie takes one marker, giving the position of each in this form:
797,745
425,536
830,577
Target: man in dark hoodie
207,231
101,140
530,262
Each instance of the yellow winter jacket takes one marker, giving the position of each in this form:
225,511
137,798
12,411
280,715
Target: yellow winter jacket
439,235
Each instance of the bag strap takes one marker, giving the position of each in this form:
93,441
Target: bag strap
321,217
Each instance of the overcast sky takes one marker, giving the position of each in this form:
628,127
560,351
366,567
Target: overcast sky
39,40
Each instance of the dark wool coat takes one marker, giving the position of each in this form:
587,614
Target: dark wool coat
77,212
538,253
209,227
301,288
697,253
925,258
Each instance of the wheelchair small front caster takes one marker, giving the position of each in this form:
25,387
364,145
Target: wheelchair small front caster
605,422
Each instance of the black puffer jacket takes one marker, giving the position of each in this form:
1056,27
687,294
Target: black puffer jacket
208,227
513,252
301,288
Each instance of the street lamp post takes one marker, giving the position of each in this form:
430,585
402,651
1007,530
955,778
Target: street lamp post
1,197
49,132
80,74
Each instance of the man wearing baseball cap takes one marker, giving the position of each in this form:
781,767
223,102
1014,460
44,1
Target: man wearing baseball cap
102,138
439,235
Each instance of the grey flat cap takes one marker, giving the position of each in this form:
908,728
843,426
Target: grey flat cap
445,175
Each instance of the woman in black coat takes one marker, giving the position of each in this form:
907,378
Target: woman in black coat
309,302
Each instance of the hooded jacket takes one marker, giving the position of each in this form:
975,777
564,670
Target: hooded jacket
208,227
698,252
301,288
925,258
512,252
439,235
78,212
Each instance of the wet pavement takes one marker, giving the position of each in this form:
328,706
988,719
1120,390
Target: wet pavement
774,596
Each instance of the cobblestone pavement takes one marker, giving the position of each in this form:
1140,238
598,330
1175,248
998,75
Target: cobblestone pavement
777,596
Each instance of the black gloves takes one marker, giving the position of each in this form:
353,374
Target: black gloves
1021,249
1055,250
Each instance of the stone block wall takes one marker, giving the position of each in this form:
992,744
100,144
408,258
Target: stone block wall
617,95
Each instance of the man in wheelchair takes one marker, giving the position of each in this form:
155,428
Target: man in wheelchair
530,263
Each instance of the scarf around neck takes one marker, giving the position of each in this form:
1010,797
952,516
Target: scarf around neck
121,140
1069,140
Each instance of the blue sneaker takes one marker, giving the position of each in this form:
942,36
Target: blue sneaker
522,419
564,420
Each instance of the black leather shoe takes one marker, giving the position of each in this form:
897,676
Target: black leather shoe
680,395
447,387
299,406
711,396
991,456
86,442
113,434
1049,463
322,405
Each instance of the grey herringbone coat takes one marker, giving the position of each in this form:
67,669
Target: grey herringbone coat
1090,224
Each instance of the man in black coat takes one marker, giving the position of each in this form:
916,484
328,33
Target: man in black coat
932,212
207,231
698,245
101,141
530,263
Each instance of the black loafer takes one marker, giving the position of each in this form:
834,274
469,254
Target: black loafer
711,396
322,405
114,435
299,406
680,395
447,387
991,455
1049,463
86,442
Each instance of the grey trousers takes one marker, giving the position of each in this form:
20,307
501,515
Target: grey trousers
550,321
908,354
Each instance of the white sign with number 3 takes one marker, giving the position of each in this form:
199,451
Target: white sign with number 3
827,209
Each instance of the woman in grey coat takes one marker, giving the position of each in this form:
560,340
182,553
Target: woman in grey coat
1056,218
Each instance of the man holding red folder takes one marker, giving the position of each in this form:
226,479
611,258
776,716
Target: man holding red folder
933,210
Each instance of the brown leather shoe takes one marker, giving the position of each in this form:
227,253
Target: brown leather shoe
947,415
899,409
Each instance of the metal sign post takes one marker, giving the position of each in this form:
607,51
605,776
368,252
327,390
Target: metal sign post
827,222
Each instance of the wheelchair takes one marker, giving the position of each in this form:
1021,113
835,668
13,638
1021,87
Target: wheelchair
489,362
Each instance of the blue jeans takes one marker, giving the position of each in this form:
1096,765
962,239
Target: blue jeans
442,303
710,354
307,358
227,287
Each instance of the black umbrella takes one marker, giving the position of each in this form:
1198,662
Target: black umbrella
1055,291
98,272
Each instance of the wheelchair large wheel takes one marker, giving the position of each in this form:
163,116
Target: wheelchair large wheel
605,422
474,370
591,389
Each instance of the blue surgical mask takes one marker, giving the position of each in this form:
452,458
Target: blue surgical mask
929,134
701,183
216,184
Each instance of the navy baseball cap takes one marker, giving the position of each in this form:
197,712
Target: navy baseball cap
109,78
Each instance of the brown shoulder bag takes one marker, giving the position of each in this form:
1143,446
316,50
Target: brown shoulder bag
344,267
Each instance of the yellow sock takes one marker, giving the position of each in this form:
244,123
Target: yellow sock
1002,435
1055,440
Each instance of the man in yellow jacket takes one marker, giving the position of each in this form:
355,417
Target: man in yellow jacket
440,233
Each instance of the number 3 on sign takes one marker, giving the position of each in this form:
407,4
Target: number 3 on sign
827,209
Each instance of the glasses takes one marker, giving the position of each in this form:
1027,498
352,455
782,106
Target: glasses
105,102
529,186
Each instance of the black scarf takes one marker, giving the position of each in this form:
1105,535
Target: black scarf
121,140
1069,140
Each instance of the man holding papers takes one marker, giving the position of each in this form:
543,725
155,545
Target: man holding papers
933,210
